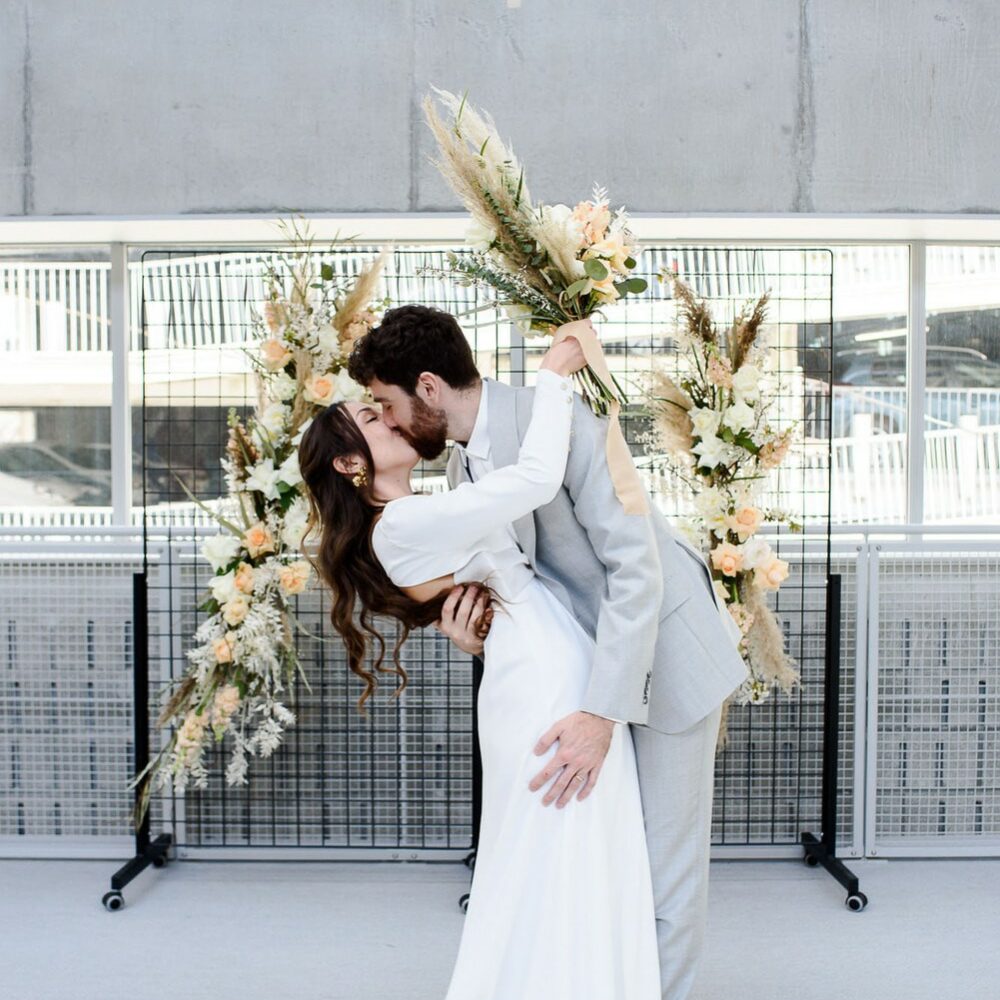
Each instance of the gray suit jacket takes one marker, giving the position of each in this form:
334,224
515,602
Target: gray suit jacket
666,653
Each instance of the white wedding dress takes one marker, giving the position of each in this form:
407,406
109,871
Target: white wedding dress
561,904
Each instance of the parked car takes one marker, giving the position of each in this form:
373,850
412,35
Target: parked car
879,379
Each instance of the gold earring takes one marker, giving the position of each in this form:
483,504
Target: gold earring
360,478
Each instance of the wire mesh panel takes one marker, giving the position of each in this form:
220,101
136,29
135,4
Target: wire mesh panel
66,696
934,750
402,782
768,776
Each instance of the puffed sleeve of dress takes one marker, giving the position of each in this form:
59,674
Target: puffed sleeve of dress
441,524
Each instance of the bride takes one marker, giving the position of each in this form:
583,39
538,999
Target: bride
561,904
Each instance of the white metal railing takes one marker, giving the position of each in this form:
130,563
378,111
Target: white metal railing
868,472
63,305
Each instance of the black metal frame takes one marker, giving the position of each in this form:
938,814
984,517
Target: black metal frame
823,850
147,852
820,850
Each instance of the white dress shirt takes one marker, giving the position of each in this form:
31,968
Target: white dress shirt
477,458
476,454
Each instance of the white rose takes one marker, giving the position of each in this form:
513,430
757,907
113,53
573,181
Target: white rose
220,550
708,500
347,388
705,420
738,416
235,609
264,478
711,505
712,451
294,526
282,386
224,587
755,552
328,339
292,533
479,237
746,382
272,418
520,316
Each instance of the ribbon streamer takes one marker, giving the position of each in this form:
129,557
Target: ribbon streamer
624,475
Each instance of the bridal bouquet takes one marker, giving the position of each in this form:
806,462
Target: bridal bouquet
244,652
712,422
548,265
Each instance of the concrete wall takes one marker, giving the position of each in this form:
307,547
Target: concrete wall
142,107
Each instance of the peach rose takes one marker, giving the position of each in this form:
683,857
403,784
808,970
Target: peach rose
771,574
727,558
294,577
319,389
605,288
243,581
258,539
223,650
235,609
613,249
275,354
593,218
227,700
744,522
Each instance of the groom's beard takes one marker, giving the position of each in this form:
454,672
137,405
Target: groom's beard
428,433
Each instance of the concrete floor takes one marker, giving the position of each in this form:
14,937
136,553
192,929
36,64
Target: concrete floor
335,931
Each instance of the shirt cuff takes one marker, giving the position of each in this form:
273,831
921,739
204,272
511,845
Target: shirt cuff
562,380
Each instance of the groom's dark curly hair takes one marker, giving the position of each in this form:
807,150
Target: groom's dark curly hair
411,340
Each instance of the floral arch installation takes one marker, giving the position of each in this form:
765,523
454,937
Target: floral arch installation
401,784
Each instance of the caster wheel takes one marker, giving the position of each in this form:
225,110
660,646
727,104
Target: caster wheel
811,861
160,861
470,860
463,903
857,901
113,900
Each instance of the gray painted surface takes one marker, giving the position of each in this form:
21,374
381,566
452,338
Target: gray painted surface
333,931
139,107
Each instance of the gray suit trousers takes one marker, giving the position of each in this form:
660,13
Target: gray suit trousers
676,781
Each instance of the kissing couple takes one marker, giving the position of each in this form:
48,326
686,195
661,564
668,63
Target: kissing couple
607,655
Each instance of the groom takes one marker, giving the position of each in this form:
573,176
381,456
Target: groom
665,656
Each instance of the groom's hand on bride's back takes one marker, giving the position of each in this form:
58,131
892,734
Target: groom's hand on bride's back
584,739
466,617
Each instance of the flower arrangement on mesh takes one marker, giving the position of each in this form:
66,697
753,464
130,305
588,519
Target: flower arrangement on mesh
244,655
713,423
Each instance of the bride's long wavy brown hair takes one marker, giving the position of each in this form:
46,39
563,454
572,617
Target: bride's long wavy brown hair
346,561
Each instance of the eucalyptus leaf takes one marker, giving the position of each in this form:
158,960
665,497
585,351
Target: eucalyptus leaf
595,269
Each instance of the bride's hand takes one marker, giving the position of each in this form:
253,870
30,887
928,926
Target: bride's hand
564,358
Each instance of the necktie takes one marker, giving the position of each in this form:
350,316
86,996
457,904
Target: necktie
468,468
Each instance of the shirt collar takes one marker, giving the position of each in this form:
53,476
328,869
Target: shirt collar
479,440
